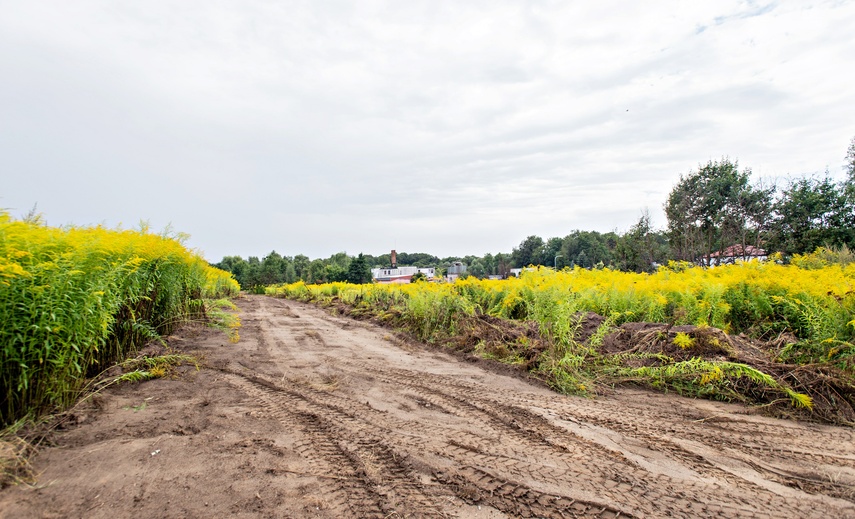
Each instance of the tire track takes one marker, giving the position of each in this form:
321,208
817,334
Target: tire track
579,458
341,439
375,480
523,452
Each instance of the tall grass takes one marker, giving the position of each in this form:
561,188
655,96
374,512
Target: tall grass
762,299
807,307
74,299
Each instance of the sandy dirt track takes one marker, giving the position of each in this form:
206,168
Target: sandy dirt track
311,415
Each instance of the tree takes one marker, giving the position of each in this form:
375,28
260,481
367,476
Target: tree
252,275
551,250
812,212
237,266
476,268
290,273
597,248
359,271
271,269
850,161
333,272
713,208
489,263
301,267
503,264
317,271
417,259
640,247
530,252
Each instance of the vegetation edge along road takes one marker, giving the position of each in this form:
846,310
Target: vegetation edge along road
776,337
75,300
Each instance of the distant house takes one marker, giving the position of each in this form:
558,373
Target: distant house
400,274
454,271
733,254
518,272
396,274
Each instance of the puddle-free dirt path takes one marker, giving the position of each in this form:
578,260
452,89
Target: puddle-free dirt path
311,415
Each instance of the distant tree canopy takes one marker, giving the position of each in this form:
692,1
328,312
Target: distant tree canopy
811,213
715,207
642,247
530,252
850,162
708,210
639,249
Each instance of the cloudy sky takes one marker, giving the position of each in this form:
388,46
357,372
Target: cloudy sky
445,127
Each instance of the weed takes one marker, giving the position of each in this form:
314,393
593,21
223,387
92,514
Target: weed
814,303
15,468
136,408
76,299
683,340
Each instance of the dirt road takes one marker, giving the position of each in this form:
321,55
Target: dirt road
311,415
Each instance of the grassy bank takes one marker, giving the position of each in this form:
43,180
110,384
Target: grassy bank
74,299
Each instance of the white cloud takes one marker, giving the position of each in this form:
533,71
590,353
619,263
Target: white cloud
452,128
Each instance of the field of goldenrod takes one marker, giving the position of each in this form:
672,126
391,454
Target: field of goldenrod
803,314
74,299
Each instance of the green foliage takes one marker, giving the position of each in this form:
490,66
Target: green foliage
221,315
359,271
713,208
585,249
74,300
712,379
255,274
641,248
529,252
683,340
824,257
137,375
812,213
850,161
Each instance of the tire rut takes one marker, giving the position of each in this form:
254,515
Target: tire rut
374,479
526,453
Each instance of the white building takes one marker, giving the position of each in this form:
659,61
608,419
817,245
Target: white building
400,274
454,271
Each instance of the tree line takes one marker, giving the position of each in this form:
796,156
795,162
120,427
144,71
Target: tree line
710,209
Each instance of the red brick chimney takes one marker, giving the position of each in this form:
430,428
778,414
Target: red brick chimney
394,259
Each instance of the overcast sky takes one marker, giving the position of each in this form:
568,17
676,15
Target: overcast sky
452,128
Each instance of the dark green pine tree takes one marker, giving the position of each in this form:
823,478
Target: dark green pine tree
358,272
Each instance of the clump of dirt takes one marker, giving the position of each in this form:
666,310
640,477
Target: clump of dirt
707,342
830,388
516,342
589,323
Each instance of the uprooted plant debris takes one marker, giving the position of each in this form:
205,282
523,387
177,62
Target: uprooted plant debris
697,361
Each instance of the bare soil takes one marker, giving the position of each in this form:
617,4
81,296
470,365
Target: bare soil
314,415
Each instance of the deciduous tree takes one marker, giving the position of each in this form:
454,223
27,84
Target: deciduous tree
529,252
713,208
812,212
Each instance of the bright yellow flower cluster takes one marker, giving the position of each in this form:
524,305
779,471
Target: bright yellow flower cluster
762,297
815,304
74,297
